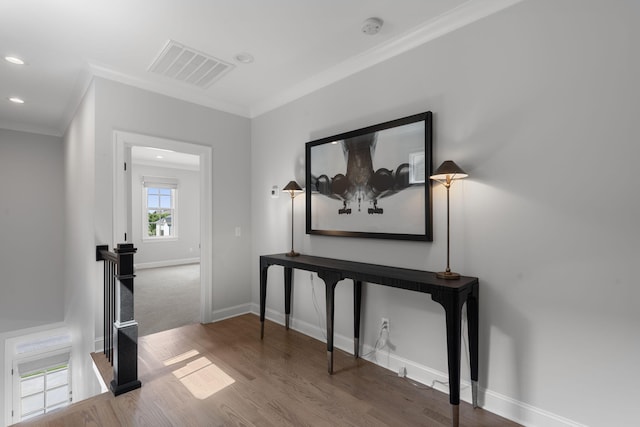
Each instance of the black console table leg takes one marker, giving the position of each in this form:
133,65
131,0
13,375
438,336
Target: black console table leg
473,326
288,272
330,279
453,310
330,292
263,296
357,300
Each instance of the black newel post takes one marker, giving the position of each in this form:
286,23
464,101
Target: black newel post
125,328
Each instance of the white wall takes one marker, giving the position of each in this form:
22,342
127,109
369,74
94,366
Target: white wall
32,235
124,108
83,275
186,247
538,103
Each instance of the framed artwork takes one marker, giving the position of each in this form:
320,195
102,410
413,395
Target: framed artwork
372,182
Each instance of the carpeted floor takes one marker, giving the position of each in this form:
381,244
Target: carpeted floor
167,297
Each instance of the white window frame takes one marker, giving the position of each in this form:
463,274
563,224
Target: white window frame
42,367
37,349
164,183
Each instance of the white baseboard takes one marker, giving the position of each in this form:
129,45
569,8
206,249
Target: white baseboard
227,313
98,345
168,263
216,316
496,403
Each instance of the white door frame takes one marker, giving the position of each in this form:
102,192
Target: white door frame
123,141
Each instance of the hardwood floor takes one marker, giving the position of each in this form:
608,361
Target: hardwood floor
222,374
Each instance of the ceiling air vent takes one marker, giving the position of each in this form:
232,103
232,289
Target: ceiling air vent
188,65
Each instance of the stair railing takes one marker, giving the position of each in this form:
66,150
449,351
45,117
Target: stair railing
120,328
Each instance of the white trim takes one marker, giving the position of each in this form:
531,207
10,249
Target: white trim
466,13
198,96
83,82
126,324
153,239
40,356
123,141
30,128
98,345
9,340
168,263
121,198
227,313
492,401
216,316
145,210
160,181
96,372
451,20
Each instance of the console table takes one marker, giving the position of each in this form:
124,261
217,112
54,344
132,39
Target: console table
451,294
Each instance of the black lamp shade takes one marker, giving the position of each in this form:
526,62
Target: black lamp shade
450,169
292,186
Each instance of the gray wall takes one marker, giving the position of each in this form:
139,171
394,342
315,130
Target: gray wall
186,247
124,108
538,103
32,224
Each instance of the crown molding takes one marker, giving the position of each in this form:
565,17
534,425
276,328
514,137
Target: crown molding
77,94
466,13
30,128
167,90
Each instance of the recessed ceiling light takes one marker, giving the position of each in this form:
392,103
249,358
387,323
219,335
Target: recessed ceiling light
14,60
159,157
16,100
245,58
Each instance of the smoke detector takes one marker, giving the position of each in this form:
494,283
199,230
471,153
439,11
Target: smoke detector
371,26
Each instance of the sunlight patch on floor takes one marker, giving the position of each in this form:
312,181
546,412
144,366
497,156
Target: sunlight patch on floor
181,357
203,378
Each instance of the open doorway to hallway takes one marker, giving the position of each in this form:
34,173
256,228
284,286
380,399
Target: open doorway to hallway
165,214
167,297
162,204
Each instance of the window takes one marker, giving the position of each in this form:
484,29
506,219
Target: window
159,212
40,366
44,389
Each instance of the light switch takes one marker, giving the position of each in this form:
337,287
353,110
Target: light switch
238,231
275,192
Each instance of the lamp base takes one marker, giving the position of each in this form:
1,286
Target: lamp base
448,275
292,253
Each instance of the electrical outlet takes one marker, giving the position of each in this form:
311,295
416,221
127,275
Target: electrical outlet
384,324
384,333
402,372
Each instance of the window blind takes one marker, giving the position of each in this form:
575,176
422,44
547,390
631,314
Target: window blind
159,182
31,366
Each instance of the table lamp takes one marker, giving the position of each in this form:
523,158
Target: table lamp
294,189
445,174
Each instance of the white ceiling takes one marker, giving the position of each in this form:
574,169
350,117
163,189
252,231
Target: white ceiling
151,156
298,46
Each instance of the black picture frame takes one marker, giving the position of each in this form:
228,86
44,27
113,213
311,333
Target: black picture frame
372,182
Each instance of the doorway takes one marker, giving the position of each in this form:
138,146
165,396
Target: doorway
130,192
